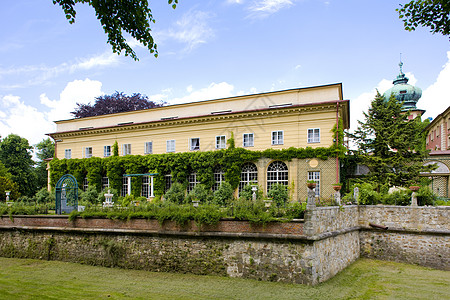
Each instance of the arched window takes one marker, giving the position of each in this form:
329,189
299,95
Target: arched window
219,177
277,172
249,175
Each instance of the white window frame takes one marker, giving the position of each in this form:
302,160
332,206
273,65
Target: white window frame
148,148
248,140
105,183
219,177
313,135
68,153
107,151
194,146
221,142
87,152
170,146
315,175
147,187
126,186
278,137
126,149
85,184
192,181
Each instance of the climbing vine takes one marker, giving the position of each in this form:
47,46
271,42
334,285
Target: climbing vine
180,165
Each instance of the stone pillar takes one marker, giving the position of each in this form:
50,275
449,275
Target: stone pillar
311,203
414,199
337,197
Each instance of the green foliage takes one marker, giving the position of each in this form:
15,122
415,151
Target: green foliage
200,193
224,194
117,18
175,194
425,196
15,154
6,184
43,196
21,208
279,194
89,196
231,142
247,193
115,149
434,14
390,145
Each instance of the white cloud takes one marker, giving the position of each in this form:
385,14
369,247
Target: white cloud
25,120
235,1
436,98
77,91
40,74
213,91
191,30
265,8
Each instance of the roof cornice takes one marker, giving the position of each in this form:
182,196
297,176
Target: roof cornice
247,114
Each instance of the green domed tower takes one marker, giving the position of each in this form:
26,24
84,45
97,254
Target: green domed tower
406,93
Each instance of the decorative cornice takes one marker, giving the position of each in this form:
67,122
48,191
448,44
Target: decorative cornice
244,115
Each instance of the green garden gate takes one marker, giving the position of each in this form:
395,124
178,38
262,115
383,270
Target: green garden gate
66,194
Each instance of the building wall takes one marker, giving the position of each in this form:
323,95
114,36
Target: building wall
294,126
438,138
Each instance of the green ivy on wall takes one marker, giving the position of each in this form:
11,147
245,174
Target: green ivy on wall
180,165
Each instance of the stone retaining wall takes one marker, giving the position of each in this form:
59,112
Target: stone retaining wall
308,252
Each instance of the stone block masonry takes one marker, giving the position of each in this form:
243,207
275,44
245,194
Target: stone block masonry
308,251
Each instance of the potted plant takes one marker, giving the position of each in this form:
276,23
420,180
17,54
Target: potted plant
414,188
337,186
311,184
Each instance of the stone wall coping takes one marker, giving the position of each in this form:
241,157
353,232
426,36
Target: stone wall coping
239,235
406,207
407,230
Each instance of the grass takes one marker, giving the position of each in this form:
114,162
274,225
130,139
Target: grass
365,279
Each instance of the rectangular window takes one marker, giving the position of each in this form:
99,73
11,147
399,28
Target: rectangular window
247,140
145,192
106,151
85,184
68,153
126,187
87,152
194,144
126,149
314,135
170,146
277,137
192,182
148,148
105,183
168,180
315,175
221,142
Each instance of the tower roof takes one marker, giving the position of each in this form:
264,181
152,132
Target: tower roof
404,92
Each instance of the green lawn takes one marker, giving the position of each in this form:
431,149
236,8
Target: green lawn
365,279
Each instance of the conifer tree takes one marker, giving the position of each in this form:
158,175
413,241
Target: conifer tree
391,145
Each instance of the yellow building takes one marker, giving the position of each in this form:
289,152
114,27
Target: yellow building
299,118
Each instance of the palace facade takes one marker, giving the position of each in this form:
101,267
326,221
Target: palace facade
294,118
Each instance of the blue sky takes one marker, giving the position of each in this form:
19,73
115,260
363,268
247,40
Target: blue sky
208,50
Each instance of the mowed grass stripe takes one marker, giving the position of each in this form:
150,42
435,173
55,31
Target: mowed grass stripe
365,279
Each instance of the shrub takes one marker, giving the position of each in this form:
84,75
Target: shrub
89,196
44,196
224,194
247,193
402,197
279,194
425,196
175,194
200,193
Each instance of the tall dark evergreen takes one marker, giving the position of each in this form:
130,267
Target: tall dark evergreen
15,154
391,145
115,103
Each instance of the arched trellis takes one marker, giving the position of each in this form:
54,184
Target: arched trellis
66,194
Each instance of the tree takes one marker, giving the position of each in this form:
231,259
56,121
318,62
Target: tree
115,103
44,149
130,16
428,13
390,145
15,154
